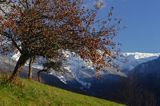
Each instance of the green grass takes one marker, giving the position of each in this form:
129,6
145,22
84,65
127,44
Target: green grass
32,93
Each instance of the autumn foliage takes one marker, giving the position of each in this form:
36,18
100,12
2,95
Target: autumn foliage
46,27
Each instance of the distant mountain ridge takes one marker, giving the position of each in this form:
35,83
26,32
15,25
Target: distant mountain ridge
80,71
132,59
127,59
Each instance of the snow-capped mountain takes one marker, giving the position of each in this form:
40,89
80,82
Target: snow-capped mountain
80,70
130,60
126,60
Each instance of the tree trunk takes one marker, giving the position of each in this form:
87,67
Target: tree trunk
30,68
20,63
39,72
38,75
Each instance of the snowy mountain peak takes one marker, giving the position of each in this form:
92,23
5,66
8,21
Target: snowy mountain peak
131,60
139,55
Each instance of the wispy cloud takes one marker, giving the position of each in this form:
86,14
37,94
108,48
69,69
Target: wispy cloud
99,4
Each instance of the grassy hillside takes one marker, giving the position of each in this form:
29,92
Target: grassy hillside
32,93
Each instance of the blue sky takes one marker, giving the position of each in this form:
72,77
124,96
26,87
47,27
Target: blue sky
142,18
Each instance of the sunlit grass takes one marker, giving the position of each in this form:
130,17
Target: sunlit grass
32,93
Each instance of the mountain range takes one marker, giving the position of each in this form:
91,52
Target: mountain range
140,73
80,70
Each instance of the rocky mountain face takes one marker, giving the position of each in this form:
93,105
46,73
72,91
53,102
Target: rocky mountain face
144,82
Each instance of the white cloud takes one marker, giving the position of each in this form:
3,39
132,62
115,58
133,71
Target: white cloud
99,4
